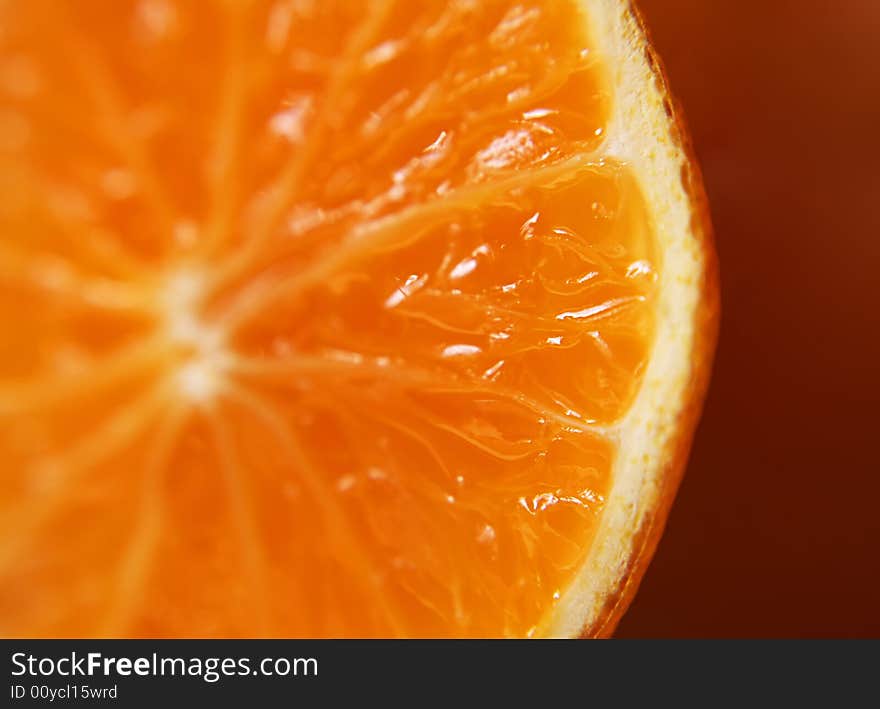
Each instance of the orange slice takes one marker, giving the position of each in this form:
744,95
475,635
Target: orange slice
343,318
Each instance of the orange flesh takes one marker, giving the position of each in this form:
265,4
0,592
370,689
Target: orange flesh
313,315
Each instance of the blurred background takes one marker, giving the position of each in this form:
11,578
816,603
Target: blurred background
776,529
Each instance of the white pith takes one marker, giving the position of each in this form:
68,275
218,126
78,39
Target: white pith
640,133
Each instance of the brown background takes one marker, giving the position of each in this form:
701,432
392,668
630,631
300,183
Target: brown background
776,530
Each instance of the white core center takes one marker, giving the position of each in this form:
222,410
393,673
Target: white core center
198,377
198,380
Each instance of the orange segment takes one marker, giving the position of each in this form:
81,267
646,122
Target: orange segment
334,319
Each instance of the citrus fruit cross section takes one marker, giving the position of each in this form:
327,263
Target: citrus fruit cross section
319,318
